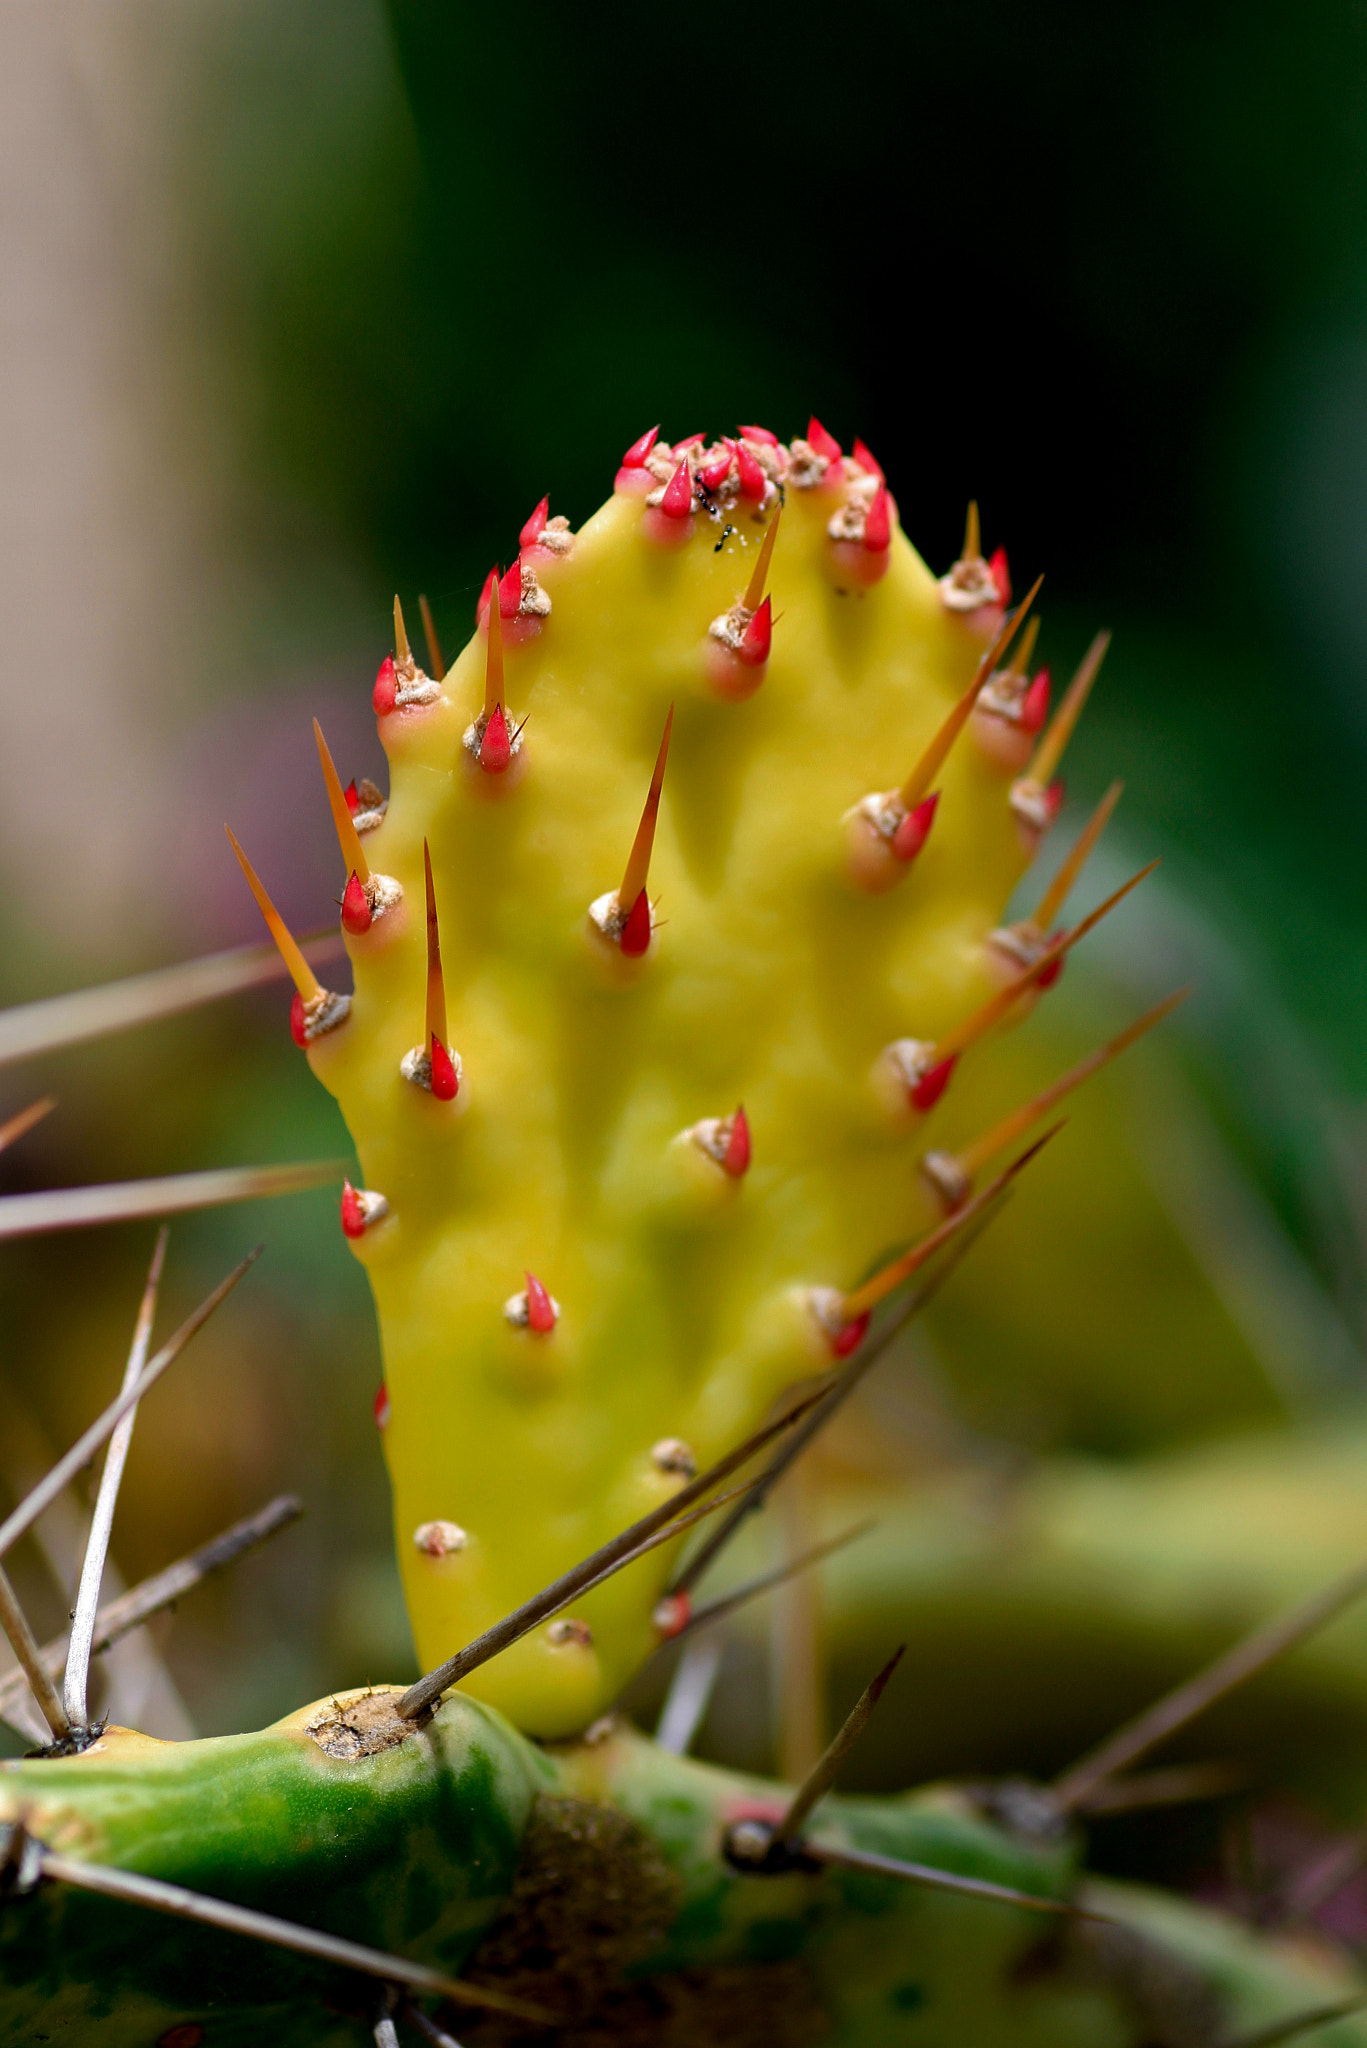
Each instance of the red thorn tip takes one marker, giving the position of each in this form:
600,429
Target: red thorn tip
866,460
926,1092
752,478
736,1158
510,592
914,830
1000,574
1053,797
755,640
760,434
353,801
636,931
878,522
380,1406
689,441
822,442
356,913
353,1212
677,502
445,1080
485,595
635,457
1050,974
850,1337
297,1031
495,749
540,1307
672,1614
532,530
1035,705
716,473
386,687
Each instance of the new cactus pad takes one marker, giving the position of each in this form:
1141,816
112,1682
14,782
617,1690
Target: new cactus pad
720,808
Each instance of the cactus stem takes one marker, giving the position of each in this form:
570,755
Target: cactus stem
1059,890
59,1477
183,1904
952,1177
824,1772
863,1300
433,644
347,836
24,1119
74,1688
662,1523
1177,1709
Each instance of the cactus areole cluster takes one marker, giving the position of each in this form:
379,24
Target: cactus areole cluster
682,914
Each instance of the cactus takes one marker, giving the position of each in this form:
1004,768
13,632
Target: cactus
626,1150
640,1157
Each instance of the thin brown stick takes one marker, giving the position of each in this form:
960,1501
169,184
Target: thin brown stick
1244,1661
56,1021
120,1617
74,1687
24,1119
1182,1785
14,1621
822,1776
171,1194
85,1447
182,1904
938,1880
590,1571
726,1603
428,2028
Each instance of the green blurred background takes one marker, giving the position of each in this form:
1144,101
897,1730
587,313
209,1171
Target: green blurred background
305,305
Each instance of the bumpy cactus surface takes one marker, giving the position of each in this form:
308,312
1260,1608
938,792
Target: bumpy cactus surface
718,899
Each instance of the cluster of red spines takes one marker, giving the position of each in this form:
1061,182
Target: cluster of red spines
1035,703
298,1022
635,934
541,1315
357,916
507,583
914,830
386,687
927,1089
353,1212
445,1079
735,1160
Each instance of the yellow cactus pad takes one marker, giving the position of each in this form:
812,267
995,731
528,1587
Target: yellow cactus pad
601,1048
